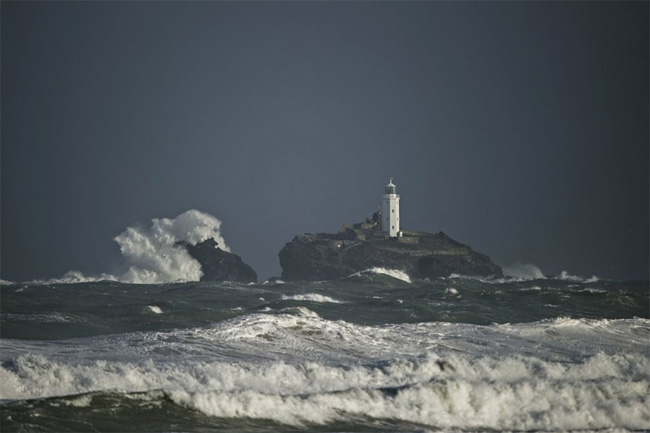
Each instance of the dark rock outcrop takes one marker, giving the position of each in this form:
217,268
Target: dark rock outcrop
219,265
421,255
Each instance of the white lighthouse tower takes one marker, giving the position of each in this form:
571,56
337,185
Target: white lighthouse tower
390,210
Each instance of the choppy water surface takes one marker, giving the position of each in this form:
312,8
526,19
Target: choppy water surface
367,353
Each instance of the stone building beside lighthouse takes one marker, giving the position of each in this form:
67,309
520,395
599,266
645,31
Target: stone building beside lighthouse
390,210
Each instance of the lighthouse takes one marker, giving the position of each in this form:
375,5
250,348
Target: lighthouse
390,210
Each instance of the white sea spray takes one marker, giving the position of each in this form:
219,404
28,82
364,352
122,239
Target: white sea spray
151,253
523,271
394,273
312,297
511,393
564,275
155,309
366,360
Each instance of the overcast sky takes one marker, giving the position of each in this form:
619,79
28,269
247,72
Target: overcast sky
519,128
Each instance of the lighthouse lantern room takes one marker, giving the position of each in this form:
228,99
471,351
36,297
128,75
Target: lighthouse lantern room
390,210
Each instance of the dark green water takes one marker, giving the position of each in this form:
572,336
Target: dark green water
78,310
366,353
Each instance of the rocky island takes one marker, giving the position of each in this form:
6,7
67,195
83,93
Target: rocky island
379,242
357,247
220,265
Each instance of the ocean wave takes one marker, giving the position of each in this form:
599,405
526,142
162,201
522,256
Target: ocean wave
301,347
394,273
39,317
525,405
312,297
273,282
507,279
155,309
151,254
486,280
500,393
74,277
523,272
565,276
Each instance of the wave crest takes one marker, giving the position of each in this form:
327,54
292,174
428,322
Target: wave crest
313,297
151,253
395,273
523,271
597,392
154,255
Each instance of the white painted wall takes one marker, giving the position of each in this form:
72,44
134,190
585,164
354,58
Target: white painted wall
390,210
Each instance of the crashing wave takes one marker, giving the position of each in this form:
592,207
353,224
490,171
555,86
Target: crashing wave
565,276
604,390
151,253
523,271
313,297
155,309
394,273
74,277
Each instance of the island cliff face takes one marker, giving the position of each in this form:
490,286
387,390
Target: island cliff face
219,265
357,247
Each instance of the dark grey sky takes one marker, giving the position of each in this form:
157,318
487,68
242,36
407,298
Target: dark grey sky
520,128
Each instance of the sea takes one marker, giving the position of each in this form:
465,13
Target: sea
373,352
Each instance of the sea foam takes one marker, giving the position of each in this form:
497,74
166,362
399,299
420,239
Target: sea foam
523,271
500,393
394,273
152,254
312,297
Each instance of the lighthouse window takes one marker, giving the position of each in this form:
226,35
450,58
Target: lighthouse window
393,210
393,227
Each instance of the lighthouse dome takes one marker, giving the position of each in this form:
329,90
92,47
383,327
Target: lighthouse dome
390,188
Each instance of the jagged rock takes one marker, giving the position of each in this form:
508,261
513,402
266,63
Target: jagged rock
421,255
219,265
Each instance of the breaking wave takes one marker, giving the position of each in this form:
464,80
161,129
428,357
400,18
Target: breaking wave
313,297
564,275
446,403
155,309
394,273
398,376
74,277
151,254
523,271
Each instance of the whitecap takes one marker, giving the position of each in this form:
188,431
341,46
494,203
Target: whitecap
523,271
301,311
74,277
312,297
152,254
565,276
155,309
273,282
395,273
